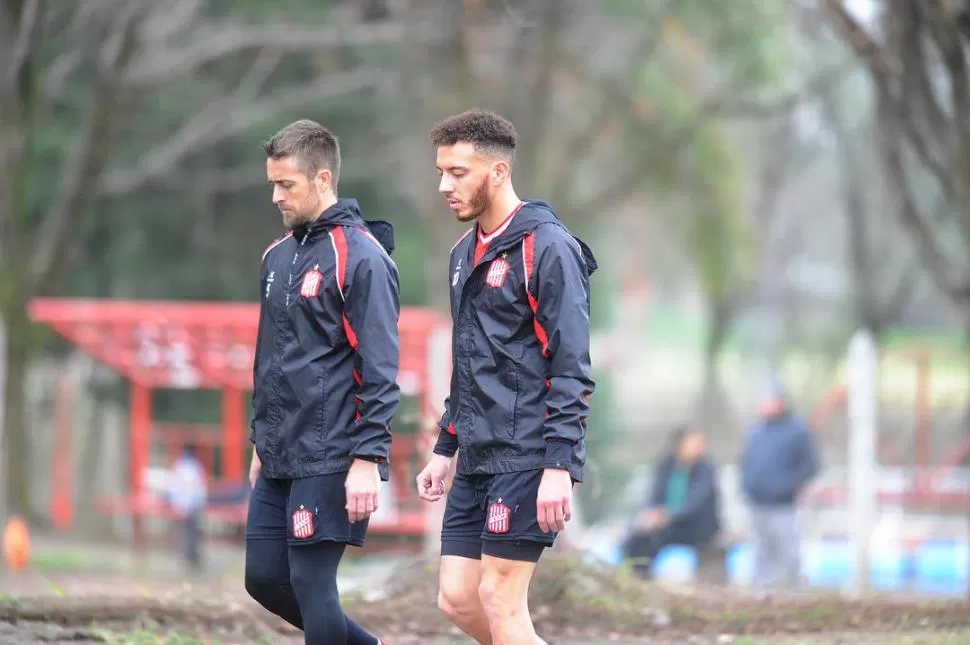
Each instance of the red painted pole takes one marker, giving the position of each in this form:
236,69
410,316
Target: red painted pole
233,433
62,493
140,441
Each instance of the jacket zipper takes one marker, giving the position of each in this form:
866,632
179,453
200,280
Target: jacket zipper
296,255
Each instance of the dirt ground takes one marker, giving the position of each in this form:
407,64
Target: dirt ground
571,605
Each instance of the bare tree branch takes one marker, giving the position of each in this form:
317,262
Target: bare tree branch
535,120
25,42
900,296
953,282
729,104
600,123
218,181
213,41
883,74
864,45
225,119
88,155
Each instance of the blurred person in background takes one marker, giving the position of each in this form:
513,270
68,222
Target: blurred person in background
517,408
187,497
324,388
779,460
682,506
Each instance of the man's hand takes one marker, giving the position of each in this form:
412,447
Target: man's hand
653,519
254,467
362,485
554,505
431,480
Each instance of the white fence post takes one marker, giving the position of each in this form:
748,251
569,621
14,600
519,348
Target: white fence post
863,404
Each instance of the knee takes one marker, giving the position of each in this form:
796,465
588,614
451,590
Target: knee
457,599
499,598
263,582
261,586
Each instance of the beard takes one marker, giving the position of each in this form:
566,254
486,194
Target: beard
479,202
302,215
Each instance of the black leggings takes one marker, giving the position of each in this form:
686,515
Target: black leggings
283,579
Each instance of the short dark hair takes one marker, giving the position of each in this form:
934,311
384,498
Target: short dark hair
488,132
312,144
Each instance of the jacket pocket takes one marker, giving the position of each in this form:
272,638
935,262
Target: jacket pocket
512,383
322,422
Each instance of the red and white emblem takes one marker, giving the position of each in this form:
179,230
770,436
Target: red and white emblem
498,518
302,524
497,270
312,279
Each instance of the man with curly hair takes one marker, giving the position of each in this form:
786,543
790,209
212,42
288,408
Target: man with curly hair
520,381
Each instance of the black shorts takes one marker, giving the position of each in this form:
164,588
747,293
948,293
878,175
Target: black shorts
494,515
302,511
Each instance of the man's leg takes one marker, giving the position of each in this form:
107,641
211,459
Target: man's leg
762,544
459,580
313,574
786,528
267,562
641,548
318,531
460,573
504,593
193,539
512,544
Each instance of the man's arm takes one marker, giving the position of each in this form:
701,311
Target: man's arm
561,291
447,443
658,492
259,335
808,463
372,309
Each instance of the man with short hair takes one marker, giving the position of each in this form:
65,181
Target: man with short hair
324,387
780,459
520,381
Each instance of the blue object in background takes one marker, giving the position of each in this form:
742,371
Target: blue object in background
942,568
827,563
740,564
675,562
888,568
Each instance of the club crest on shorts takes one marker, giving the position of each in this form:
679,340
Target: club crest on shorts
497,270
302,523
498,518
312,279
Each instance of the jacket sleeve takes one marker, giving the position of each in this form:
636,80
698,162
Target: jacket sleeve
658,492
561,288
252,413
808,462
259,334
447,443
702,489
372,308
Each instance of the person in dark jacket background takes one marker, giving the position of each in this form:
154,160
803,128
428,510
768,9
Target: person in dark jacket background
780,458
683,504
324,387
520,381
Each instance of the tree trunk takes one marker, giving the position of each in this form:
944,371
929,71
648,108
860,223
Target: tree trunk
16,360
720,312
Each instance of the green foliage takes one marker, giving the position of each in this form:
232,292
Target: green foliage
716,232
605,438
736,45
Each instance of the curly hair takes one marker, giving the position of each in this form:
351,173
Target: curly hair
488,132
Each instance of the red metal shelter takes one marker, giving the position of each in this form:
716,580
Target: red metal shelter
195,345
